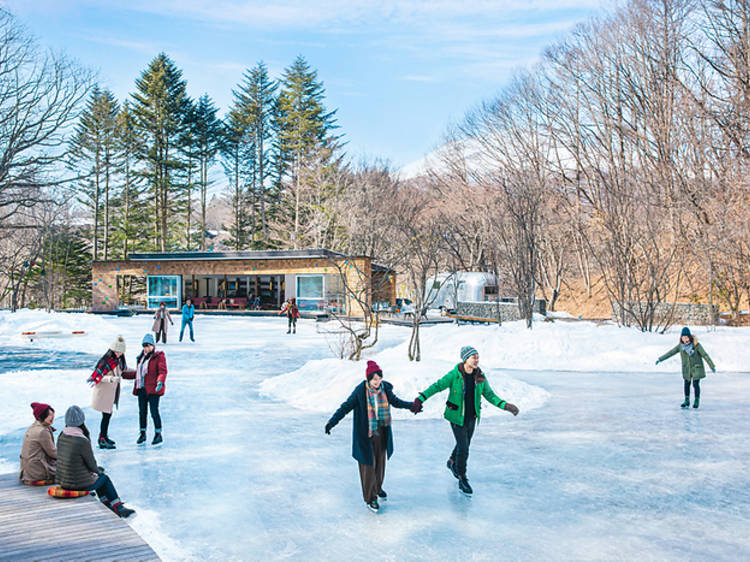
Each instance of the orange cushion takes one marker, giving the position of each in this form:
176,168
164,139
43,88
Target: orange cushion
58,492
38,482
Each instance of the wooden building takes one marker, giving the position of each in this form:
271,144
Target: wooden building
319,279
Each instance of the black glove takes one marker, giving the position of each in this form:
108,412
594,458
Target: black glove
329,427
512,408
658,361
416,406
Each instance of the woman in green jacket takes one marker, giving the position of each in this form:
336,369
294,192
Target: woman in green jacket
467,385
692,355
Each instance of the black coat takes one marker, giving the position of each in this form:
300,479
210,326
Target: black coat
357,401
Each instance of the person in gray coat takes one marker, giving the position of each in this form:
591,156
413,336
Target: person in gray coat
76,465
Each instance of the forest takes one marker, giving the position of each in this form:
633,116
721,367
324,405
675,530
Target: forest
615,165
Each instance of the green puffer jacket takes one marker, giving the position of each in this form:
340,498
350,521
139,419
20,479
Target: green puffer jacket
692,365
76,465
454,406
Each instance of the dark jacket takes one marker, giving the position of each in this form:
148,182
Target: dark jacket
357,401
156,371
76,465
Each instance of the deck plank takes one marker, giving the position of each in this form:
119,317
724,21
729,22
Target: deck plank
35,526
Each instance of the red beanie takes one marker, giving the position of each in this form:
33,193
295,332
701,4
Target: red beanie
39,408
372,368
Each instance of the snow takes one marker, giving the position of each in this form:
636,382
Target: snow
601,463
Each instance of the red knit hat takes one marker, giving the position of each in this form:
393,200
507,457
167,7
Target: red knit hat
39,409
372,368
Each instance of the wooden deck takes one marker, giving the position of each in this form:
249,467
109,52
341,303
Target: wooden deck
35,526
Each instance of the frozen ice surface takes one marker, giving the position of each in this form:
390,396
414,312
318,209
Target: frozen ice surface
600,464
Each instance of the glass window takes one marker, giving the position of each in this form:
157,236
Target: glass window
310,292
164,288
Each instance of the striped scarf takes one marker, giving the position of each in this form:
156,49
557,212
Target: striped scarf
378,409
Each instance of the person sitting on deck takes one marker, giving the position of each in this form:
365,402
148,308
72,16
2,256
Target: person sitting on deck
76,465
38,452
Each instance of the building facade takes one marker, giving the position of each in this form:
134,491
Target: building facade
320,280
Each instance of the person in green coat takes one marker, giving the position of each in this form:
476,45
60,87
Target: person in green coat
692,355
467,384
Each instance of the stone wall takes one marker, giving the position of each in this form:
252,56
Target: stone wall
488,310
684,312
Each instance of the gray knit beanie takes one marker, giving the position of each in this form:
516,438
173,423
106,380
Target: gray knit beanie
74,417
467,351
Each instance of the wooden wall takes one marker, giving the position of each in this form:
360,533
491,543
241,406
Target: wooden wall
104,273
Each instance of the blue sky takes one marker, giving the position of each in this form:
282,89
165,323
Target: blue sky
398,71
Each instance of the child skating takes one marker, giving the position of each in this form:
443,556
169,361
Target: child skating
467,384
692,355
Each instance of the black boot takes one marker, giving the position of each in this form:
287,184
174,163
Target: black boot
463,485
452,467
382,495
122,511
108,440
141,438
157,438
686,403
373,505
104,444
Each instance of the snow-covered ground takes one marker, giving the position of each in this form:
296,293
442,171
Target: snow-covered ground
600,463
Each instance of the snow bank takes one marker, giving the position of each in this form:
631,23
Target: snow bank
550,346
99,330
322,385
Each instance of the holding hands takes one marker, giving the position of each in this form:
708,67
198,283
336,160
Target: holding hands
416,406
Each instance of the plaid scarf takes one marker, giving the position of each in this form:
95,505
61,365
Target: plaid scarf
688,348
108,363
378,409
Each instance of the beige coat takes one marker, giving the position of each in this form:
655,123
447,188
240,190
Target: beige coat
157,321
104,394
38,453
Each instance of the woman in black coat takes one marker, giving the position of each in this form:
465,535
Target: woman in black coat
372,438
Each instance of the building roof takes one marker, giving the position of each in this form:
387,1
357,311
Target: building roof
246,255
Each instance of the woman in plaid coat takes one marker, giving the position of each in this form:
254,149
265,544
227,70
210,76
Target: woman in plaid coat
372,438
106,382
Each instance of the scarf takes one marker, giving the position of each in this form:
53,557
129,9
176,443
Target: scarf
107,364
378,409
688,348
142,369
73,431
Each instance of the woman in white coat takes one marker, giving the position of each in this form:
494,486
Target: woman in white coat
106,380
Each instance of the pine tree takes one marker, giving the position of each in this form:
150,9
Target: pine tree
93,156
238,161
256,103
304,130
207,139
131,216
160,107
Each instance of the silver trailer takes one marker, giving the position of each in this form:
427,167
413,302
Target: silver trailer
444,290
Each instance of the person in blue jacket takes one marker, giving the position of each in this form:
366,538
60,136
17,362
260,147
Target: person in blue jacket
188,312
372,438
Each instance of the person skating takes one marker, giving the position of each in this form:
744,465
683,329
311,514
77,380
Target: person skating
467,384
76,465
372,438
161,317
292,313
148,386
38,452
106,381
692,355
188,313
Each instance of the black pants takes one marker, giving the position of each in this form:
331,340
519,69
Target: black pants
104,426
696,388
463,434
151,402
162,331
292,322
